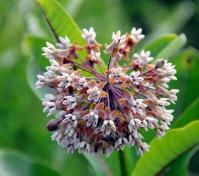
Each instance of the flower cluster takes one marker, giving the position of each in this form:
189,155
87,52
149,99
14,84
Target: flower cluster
101,109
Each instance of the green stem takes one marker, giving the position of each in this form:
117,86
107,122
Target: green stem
122,163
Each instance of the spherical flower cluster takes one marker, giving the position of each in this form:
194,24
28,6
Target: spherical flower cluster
99,110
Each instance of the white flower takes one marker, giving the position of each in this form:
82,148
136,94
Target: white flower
94,56
134,123
49,50
116,73
150,122
116,37
121,143
66,80
71,119
92,119
94,93
142,147
108,127
64,43
143,58
138,106
172,95
166,72
82,83
89,35
70,102
40,82
136,78
116,40
137,34
163,102
83,147
49,104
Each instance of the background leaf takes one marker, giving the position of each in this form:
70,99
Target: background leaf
59,21
181,165
167,149
173,47
190,114
186,63
17,164
160,43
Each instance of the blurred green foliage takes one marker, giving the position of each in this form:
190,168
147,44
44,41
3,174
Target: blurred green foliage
22,123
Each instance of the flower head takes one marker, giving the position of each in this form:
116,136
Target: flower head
99,109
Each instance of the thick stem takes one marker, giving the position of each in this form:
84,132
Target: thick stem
122,163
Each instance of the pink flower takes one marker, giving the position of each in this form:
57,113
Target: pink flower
101,110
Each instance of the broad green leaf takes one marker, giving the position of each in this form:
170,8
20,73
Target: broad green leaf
187,74
113,163
131,158
180,166
172,48
62,24
164,151
189,115
59,21
16,164
157,45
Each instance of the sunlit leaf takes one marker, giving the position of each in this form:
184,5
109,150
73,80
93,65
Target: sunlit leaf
173,47
165,150
157,45
62,24
59,21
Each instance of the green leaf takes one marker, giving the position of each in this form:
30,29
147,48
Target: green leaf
36,64
59,21
166,150
100,167
131,158
159,44
72,164
180,166
172,48
189,115
186,63
62,24
175,19
113,163
17,164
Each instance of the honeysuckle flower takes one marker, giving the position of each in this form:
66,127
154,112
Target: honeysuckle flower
99,110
